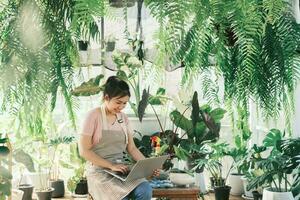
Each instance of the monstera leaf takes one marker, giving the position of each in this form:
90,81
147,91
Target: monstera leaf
272,138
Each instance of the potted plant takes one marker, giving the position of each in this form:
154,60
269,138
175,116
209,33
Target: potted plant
219,186
240,163
5,173
58,147
77,184
283,160
201,127
40,177
110,43
215,153
254,153
26,188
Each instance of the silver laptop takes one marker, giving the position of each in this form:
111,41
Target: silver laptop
141,169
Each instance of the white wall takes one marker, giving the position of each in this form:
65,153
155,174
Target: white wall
296,126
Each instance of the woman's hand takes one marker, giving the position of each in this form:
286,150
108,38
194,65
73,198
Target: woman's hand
119,168
156,173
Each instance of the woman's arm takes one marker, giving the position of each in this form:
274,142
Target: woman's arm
133,150
85,150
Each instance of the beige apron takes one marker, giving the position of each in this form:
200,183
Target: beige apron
103,186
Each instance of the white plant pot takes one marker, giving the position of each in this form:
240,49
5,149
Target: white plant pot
200,182
268,194
39,179
17,194
181,179
236,183
148,126
248,193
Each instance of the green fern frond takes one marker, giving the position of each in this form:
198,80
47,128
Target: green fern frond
210,88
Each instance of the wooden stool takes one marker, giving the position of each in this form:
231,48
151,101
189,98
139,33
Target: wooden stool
190,193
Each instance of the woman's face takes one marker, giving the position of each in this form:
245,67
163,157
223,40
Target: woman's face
116,104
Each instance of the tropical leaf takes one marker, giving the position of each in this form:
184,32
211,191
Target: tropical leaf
195,110
181,153
91,87
143,104
24,158
180,121
5,174
272,138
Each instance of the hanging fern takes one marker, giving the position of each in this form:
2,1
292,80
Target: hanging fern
254,44
46,68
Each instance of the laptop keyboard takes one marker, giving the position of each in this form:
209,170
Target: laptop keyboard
123,175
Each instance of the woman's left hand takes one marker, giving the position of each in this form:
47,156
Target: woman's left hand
156,173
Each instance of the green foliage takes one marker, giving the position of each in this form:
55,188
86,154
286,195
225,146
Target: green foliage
212,162
91,87
272,138
203,127
239,152
296,183
253,42
129,69
144,144
21,156
77,163
38,48
76,178
280,163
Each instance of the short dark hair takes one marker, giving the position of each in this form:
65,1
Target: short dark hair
116,87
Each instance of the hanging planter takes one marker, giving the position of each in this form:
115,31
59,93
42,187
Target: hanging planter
110,43
82,45
121,3
110,46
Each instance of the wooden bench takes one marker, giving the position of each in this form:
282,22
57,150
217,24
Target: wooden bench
190,193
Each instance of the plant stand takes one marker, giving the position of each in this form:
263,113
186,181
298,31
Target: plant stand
191,193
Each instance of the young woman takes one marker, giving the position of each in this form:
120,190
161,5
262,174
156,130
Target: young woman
105,136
